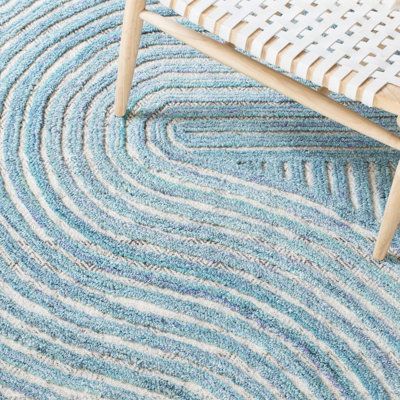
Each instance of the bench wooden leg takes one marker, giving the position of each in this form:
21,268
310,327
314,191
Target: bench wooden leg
391,219
130,40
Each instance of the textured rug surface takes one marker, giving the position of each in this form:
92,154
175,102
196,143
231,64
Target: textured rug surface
214,244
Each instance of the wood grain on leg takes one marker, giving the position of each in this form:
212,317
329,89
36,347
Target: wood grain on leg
130,40
391,219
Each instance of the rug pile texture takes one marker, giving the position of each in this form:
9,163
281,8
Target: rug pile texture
214,244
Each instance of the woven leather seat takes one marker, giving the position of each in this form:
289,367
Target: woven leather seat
346,46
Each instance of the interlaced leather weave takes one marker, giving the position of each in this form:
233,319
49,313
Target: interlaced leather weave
322,41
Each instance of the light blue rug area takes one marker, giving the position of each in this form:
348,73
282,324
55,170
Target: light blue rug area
215,244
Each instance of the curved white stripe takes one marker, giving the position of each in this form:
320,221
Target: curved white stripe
71,371
26,375
12,394
42,22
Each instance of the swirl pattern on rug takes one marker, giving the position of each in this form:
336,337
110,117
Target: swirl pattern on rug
213,244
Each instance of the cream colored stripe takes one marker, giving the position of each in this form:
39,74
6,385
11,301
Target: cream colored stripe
11,394
28,376
68,370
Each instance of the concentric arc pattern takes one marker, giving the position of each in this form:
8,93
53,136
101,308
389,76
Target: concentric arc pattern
213,244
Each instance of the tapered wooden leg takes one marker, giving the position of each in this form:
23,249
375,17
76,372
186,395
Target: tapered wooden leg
391,219
130,40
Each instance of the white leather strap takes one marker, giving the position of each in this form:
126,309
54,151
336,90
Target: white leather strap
325,41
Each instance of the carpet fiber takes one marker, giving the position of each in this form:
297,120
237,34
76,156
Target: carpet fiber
214,244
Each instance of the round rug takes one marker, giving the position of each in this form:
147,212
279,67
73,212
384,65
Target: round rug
214,244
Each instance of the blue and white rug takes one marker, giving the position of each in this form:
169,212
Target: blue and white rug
215,244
